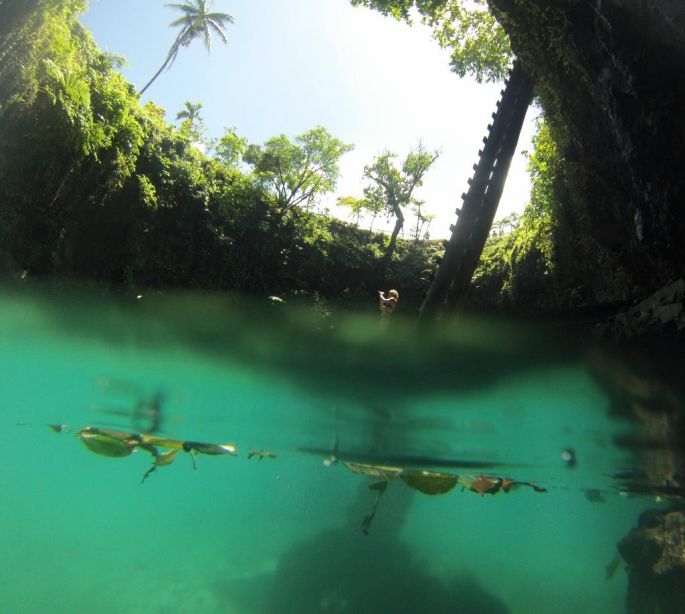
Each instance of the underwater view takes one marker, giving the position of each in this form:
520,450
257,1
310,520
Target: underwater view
187,454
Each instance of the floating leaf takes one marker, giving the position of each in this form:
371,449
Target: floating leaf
107,442
173,444
483,484
166,459
490,485
380,472
213,449
430,482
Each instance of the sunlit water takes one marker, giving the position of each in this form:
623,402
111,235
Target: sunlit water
80,533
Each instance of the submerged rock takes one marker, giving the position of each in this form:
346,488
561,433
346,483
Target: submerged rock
657,314
654,553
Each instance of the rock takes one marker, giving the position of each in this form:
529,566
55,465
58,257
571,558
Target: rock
659,312
654,553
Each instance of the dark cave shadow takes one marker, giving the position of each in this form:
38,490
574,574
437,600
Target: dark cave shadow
341,570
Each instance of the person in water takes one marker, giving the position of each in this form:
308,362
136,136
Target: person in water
387,304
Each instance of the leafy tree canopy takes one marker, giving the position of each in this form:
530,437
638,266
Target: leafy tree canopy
373,203
355,205
230,148
479,46
396,185
300,171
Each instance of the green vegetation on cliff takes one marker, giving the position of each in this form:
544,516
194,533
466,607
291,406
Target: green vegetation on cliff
94,185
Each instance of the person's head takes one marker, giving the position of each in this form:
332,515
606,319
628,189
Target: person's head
394,294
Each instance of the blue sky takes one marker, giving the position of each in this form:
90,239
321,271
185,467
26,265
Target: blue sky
291,65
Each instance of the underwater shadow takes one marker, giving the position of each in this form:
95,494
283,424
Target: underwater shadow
340,570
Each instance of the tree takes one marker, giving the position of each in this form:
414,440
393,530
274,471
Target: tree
372,203
297,172
355,205
422,218
428,218
397,185
479,46
230,148
509,223
192,124
69,128
196,21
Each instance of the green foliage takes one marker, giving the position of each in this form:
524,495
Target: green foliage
423,220
71,130
148,192
544,168
355,205
93,185
192,122
21,22
296,173
478,44
397,185
394,187
518,268
372,204
230,148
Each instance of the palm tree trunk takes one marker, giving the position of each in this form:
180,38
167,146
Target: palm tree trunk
171,56
151,81
480,203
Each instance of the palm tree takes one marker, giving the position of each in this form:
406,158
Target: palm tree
196,21
192,123
190,112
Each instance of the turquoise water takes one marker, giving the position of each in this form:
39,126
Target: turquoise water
82,534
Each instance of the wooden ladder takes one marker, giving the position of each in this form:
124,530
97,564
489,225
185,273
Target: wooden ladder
452,280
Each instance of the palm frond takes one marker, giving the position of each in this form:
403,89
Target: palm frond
207,36
220,17
187,8
181,21
217,27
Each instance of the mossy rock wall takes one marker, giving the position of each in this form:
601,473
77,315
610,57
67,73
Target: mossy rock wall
611,78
